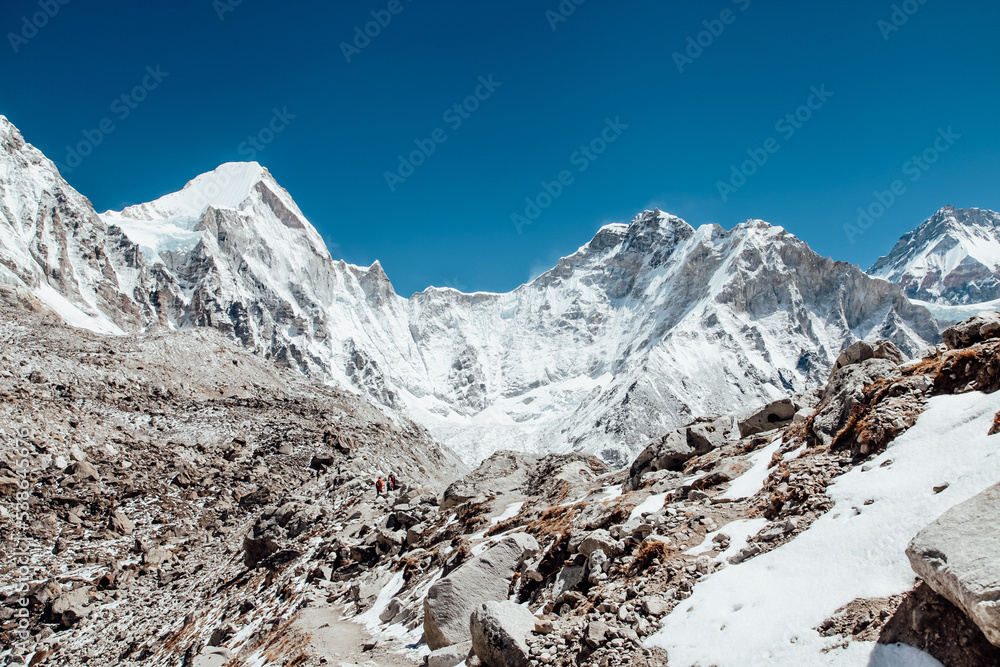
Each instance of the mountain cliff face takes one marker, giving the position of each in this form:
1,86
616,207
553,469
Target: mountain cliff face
951,259
647,325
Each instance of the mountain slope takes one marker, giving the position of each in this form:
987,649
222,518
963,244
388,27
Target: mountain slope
646,325
951,259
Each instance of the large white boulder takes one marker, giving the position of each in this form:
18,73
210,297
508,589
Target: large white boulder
959,557
450,602
499,634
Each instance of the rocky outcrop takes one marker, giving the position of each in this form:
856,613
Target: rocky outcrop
487,577
518,474
677,447
844,391
959,557
862,350
449,656
499,631
977,329
773,415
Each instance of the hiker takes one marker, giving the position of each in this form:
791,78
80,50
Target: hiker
378,487
393,483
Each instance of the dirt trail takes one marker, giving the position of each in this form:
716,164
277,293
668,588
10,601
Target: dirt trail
342,642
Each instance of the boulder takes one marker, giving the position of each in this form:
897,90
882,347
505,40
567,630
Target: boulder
451,600
671,451
771,416
600,539
70,607
568,578
83,470
597,634
958,556
971,331
862,350
121,524
213,656
499,634
449,656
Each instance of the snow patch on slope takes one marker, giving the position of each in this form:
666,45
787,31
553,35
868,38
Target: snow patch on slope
753,613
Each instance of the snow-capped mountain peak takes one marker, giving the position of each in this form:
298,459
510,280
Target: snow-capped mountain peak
645,325
228,186
952,258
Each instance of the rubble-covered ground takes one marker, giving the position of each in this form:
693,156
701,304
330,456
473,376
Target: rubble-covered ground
191,504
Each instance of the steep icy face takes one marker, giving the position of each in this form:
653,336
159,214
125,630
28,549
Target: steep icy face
52,242
951,259
643,328
741,318
250,264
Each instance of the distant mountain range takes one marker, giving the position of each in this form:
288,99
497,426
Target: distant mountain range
646,326
952,259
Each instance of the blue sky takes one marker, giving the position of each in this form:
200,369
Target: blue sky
673,127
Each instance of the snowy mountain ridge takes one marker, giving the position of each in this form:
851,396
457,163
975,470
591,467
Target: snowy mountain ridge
951,259
646,326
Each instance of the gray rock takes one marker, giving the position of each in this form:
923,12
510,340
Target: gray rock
597,634
600,539
449,656
213,656
70,607
84,470
598,563
771,416
842,393
568,578
862,350
121,524
673,450
971,331
451,601
958,556
499,634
